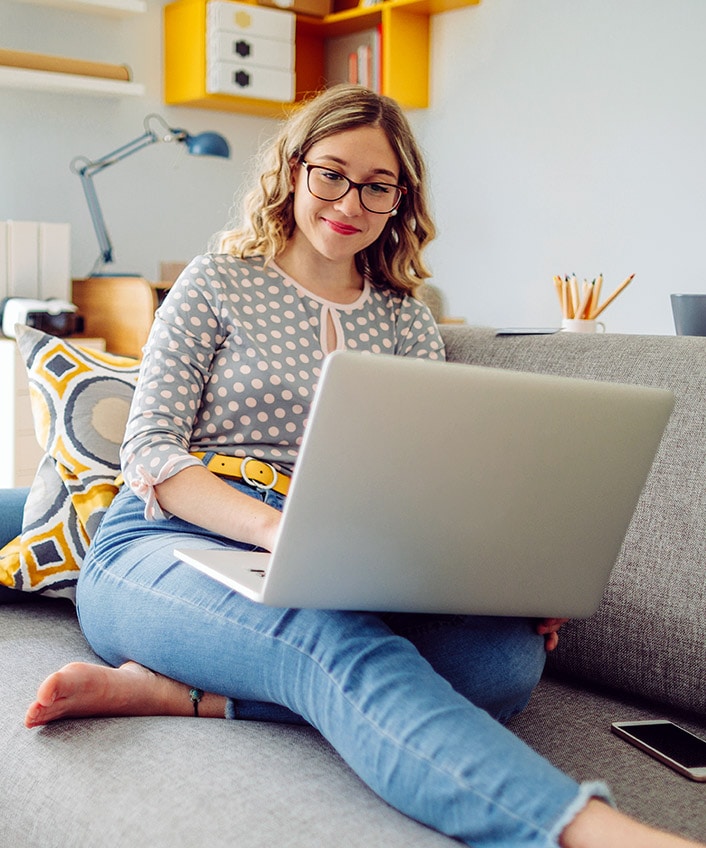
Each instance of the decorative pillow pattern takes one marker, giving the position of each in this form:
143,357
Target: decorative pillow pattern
80,402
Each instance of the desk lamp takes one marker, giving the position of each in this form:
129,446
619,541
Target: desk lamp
156,129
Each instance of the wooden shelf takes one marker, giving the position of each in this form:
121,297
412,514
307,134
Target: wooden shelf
405,52
62,83
361,17
117,8
67,83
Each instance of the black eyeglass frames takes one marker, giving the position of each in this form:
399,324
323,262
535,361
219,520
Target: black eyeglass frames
325,183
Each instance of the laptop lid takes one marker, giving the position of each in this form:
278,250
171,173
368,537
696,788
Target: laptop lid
442,487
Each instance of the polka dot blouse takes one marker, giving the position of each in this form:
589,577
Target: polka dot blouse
233,360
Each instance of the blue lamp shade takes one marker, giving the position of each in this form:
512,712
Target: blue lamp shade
207,144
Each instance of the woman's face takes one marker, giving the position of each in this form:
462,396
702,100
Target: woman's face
341,228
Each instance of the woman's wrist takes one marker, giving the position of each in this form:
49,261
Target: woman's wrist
270,530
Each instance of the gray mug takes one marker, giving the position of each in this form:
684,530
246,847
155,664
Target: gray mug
689,312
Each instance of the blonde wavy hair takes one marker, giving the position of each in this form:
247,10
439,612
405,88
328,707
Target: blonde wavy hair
395,259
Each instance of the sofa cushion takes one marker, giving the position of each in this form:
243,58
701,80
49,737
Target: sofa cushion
169,782
80,400
649,634
179,782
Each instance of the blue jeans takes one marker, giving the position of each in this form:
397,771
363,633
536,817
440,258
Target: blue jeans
413,703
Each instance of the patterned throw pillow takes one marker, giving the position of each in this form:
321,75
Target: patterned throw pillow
80,402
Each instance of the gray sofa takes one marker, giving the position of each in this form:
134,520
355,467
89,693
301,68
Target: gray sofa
186,782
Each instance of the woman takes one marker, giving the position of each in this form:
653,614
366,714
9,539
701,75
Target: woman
329,256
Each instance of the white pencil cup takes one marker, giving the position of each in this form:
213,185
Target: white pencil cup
582,325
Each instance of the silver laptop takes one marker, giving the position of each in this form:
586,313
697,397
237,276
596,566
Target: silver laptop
439,487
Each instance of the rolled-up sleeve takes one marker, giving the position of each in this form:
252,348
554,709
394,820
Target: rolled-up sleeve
186,333
418,332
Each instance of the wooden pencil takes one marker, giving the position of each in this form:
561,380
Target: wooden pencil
565,299
559,286
574,289
586,295
612,297
598,285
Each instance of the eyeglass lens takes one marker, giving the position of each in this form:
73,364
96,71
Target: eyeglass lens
330,185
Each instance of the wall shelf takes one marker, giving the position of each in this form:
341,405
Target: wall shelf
404,26
67,83
117,8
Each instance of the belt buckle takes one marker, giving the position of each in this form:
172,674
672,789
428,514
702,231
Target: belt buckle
256,484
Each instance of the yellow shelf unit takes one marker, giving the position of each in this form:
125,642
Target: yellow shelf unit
404,26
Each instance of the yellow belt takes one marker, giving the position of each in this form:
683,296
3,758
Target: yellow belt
260,475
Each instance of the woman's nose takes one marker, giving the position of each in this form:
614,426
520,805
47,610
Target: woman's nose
350,203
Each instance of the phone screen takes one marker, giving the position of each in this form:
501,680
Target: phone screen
673,741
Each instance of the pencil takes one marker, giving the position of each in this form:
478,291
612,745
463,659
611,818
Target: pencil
612,297
574,297
596,295
586,296
565,298
559,286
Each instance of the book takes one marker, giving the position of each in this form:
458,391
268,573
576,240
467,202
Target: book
353,67
54,261
23,259
365,60
355,58
3,259
35,260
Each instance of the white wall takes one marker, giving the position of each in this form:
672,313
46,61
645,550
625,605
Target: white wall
563,137
161,203
568,136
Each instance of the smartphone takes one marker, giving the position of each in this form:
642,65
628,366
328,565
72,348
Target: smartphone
527,331
667,742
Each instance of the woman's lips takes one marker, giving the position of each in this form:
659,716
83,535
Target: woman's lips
340,228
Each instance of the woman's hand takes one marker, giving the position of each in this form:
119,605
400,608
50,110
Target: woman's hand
198,496
549,628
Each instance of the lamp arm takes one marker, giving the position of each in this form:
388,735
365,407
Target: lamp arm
104,243
201,145
86,169
82,166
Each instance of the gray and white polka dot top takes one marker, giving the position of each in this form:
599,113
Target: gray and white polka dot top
233,360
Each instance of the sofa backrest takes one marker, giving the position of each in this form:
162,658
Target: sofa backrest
649,635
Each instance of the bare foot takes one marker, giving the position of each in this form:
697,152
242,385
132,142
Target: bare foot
601,826
82,689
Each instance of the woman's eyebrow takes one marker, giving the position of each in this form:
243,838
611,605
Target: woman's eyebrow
374,172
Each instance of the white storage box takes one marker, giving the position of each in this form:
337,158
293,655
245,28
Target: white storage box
254,20
250,81
251,50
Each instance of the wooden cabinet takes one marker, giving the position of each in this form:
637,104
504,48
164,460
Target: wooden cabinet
119,310
404,26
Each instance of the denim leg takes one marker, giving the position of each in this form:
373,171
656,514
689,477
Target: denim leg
421,745
494,662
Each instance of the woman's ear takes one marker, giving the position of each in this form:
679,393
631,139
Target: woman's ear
294,172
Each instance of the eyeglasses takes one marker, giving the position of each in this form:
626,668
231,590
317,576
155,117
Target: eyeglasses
327,184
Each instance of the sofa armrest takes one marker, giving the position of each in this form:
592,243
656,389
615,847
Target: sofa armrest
12,503
648,635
